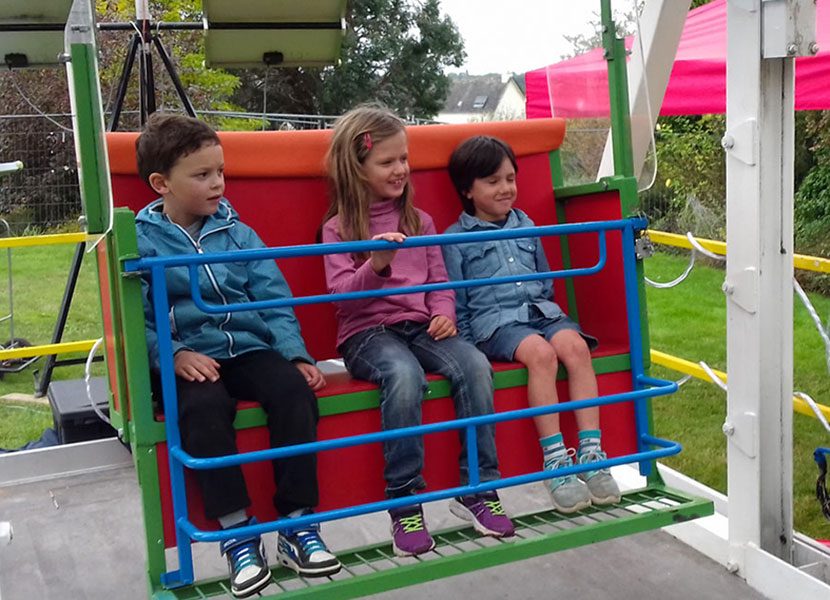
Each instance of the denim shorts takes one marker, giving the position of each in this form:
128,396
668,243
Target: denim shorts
505,340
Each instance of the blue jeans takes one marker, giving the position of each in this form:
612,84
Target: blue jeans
395,357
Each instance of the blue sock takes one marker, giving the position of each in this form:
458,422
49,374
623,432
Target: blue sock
589,439
553,447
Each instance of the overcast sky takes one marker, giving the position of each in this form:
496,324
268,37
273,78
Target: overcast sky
517,35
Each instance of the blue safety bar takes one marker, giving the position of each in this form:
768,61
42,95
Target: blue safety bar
644,387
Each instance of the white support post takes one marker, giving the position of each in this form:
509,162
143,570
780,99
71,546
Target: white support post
661,25
758,287
6,535
142,10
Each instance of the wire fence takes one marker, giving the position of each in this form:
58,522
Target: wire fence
44,195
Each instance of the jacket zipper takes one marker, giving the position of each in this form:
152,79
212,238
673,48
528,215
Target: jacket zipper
212,278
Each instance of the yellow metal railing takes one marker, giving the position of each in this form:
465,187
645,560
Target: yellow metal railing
45,349
43,240
695,370
800,261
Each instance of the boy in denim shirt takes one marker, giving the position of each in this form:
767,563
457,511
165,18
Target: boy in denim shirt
257,355
520,321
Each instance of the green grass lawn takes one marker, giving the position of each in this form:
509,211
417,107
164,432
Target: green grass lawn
689,321
39,278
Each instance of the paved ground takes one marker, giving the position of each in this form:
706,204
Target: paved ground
78,538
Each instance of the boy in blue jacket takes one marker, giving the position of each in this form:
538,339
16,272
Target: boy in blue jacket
256,355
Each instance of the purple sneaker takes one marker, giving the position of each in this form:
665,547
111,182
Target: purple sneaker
485,512
409,533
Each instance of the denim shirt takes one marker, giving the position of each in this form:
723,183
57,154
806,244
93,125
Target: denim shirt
482,310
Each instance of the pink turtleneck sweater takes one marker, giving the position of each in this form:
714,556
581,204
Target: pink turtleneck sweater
411,266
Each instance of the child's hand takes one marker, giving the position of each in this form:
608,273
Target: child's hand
441,327
193,366
383,258
313,375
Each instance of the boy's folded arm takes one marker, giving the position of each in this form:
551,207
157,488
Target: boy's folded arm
150,327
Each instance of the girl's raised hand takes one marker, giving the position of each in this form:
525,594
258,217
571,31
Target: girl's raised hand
441,327
383,258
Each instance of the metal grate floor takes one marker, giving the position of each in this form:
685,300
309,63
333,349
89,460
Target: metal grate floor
375,568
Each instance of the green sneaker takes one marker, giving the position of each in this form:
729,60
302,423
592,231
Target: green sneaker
568,494
601,485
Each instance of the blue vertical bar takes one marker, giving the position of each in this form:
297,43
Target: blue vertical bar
472,454
635,340
184,575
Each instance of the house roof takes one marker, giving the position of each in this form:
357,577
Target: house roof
474,93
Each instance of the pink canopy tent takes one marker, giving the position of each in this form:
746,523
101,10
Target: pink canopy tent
578,87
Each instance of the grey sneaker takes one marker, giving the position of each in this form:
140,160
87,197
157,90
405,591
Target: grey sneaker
601,486
567,493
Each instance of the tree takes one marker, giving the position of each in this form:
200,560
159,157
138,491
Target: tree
394,51
45,193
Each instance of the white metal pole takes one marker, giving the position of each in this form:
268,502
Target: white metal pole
758,287
6,535
142,10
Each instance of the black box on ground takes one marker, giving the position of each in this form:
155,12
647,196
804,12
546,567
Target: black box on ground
75,420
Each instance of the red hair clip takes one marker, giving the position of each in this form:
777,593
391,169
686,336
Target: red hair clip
367,140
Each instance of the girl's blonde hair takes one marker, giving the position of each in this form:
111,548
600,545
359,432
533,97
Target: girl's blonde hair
355,133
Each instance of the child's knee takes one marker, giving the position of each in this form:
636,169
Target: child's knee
476,364
542,358
574,352
405,379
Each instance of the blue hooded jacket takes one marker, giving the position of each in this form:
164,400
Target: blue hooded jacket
217,335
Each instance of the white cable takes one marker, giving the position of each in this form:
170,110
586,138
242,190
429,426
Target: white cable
816,319
683,380
87,374
715,379
816,409
696,245
30,103
679,279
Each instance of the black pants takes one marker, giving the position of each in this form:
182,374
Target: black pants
206,414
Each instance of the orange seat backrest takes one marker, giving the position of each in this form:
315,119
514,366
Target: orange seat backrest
276,182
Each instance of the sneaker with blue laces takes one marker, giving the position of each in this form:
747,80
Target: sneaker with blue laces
601,485
247,565
304,552
568,494
485,512
409,532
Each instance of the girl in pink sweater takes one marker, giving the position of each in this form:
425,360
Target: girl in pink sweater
393,340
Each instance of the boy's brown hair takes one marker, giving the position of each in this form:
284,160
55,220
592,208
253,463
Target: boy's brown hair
476,158
167,138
